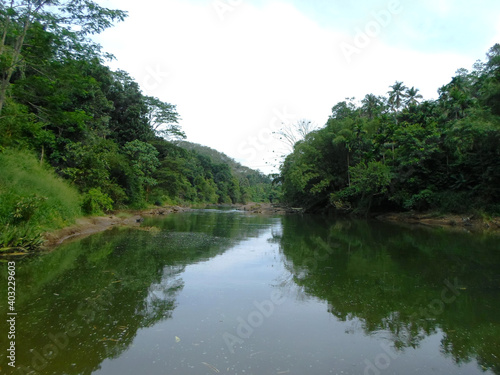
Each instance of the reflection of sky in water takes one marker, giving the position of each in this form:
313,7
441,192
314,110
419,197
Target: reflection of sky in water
222,294
246,294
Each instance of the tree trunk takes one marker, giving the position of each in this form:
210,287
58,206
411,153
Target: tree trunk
14,63
32,8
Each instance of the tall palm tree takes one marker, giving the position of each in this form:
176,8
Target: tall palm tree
371,105
412,96
396,95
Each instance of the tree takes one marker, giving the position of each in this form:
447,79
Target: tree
397,95
493,63
66,101
349,134
346,137
444,155
56,16
144,160
369,180
491,89
163,118
372,105
290,134
412,96
129,119
343,109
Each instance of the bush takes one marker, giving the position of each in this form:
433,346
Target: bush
97,202
455,202
20,238
421,201
26,207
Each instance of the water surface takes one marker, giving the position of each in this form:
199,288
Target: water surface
227,292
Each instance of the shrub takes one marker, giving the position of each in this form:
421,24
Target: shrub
97,202
20,238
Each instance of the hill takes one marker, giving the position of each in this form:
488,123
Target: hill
218,157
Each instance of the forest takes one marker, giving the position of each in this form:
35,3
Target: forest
78,138
399,152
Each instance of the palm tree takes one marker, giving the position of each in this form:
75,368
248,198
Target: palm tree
396,95
371,105
456,96
412,96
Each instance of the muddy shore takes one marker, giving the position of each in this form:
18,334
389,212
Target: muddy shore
86,226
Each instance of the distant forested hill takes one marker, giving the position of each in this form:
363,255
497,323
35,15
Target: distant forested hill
221,158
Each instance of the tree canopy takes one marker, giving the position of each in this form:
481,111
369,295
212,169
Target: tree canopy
401,152
93,126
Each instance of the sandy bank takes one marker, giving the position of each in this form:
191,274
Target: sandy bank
89,225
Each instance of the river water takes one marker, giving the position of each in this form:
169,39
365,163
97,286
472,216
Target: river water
227,292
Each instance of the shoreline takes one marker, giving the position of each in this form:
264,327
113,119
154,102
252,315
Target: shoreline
89,225
469,223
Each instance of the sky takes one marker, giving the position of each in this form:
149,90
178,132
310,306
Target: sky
239,70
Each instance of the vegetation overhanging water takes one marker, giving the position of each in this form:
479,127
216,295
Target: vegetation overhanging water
224,291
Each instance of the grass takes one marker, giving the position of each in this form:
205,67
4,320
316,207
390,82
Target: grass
33,199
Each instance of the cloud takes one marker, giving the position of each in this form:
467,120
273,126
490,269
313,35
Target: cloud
230,77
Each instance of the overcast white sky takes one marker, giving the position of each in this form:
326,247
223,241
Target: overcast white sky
237,69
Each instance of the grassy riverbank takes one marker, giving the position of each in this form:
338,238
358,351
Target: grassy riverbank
38,209
33,200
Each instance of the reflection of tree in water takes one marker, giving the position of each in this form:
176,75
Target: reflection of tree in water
108,287
389,281
161,296
92,296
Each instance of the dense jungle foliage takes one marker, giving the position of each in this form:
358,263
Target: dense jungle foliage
77,137
401,153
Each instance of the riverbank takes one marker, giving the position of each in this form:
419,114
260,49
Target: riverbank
469,223
86,226
132,218
268,209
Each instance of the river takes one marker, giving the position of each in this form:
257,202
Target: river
210,291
